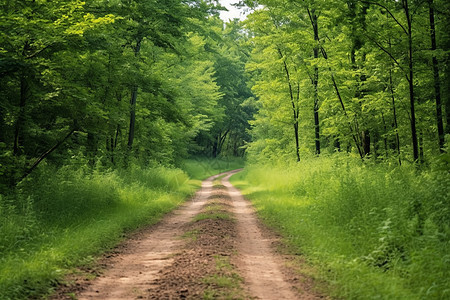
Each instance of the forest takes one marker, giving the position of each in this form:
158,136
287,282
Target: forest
112,111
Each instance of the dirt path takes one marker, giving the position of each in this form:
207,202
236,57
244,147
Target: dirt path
260,267
132,271
213,247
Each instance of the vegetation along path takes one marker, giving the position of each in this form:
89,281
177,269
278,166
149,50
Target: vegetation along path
213,247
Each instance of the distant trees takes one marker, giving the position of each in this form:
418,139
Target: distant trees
229,134
381,66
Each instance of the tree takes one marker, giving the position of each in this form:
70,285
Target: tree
372,55
275,63
437,83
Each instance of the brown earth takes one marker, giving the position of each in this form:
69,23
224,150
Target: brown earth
212,247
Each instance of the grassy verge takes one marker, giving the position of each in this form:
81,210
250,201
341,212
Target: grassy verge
374,231
63,218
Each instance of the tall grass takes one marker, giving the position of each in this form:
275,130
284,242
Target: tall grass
61,218
375,231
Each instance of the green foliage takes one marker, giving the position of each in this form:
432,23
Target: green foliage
61,218
361,58
115,81
228,134
376,231
100,100
92,89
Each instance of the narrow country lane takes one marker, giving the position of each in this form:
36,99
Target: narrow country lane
212,247
131,272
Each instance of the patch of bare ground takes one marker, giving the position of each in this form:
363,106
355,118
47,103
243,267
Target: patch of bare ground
203,269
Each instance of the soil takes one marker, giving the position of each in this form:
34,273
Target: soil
212,247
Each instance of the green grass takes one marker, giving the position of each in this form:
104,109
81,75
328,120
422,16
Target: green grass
222,281
374,231
192,234
212,216
226,283
60,219
214,207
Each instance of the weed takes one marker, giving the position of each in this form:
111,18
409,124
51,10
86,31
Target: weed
221,281
212,216
213,207
209,294
222,263
226,283
192,234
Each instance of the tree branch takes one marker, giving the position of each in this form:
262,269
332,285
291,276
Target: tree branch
37,52
389,12
386,51
338,94
45,154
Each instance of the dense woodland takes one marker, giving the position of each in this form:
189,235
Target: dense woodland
368,77
101,101
113,81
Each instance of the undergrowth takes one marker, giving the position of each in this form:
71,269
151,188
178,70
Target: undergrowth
62,218
375,231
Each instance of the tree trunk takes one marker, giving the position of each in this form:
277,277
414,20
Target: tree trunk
46,153
18,137
411,82
214,149
338,94
365,139
358,19
297,144
221,137
114,141
375,141
385,139
394,109
315,81
333,80
92,146
437,84
134,93
337,144
447,103
295,109
421,155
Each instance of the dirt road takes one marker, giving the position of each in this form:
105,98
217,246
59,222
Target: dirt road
212,247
